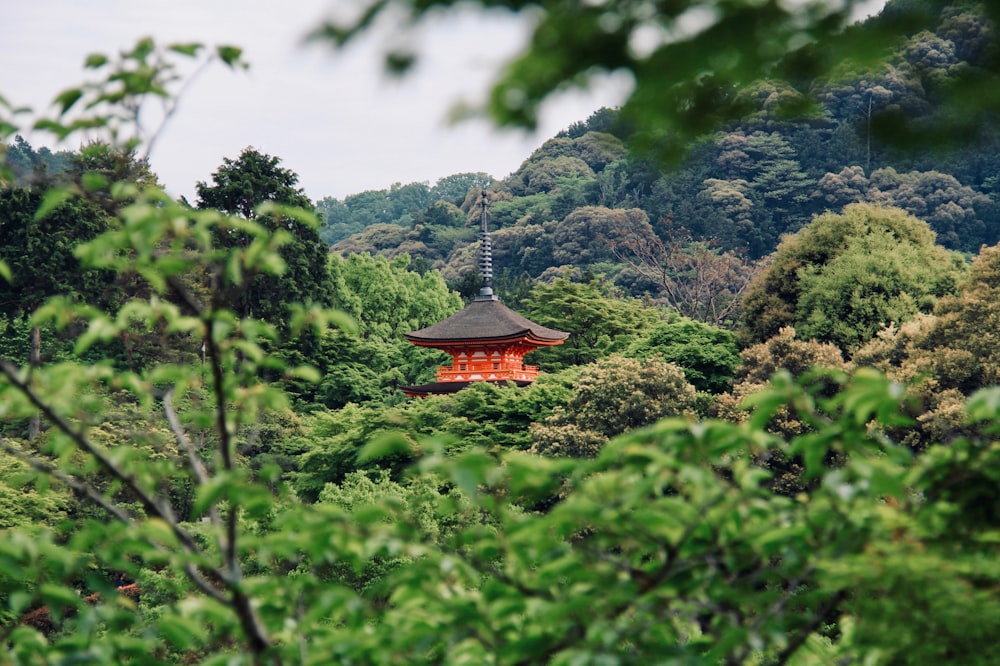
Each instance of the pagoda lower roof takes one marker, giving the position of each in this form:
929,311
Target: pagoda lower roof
486,321
438,388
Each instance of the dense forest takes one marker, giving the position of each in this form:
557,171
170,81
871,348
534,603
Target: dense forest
770,438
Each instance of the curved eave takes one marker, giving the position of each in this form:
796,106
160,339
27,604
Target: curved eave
488,321
524,337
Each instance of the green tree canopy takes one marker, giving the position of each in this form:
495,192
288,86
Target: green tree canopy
954,211
598,324
611,396
40,251
239,187
386,298
843,277
707,354
947,356
589,234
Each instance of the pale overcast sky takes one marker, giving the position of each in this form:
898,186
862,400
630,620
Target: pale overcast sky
332,117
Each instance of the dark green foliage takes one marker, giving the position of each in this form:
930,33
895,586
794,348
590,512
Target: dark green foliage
589,234
743,185
40,255
238,187
707,354
955,212
401,205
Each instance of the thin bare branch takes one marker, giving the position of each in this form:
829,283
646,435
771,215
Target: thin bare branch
695,278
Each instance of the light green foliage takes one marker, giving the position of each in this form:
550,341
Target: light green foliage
669,542
330,444
843,277
549,175
388,299
945,357
528,209
453,189
418,499
558,160
612,396
26,498
706,564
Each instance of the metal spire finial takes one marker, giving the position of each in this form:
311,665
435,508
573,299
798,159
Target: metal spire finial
485,253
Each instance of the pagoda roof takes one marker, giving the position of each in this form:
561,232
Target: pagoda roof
486,320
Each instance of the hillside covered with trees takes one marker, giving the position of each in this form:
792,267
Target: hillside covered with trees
771,437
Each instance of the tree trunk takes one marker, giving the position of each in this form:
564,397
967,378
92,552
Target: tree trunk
35,425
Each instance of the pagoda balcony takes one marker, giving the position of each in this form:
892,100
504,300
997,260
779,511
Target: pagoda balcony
448,373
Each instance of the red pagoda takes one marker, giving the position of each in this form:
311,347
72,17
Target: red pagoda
487,340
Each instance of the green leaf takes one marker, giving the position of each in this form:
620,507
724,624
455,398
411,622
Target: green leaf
298,213
209,493
54,197
95,61
57,596
5,272
47,125
306,373
182,632
813,452
93,181
189,49
984,405
230,55
67,99
342,320
19,601
158,530
383,446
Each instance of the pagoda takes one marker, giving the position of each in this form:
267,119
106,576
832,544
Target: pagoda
486,340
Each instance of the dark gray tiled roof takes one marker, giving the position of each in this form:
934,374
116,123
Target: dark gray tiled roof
486,320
